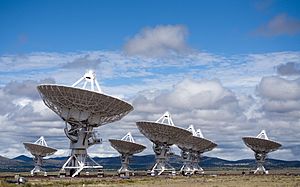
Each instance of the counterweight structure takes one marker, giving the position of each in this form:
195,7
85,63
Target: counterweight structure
39,149
163,134
83,109
192,147
126,147
261,145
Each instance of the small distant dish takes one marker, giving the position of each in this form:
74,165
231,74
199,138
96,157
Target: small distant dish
126,147
39,149
261,145
163,134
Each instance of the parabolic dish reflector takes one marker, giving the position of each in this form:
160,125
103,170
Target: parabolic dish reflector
261,145
196,144
76,105
126,147
39,150
161,133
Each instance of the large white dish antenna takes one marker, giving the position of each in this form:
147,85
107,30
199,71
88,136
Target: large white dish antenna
82,109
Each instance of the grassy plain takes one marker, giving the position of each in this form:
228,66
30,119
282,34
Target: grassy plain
277,179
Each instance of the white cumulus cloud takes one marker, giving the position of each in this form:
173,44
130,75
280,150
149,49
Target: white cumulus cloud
158,41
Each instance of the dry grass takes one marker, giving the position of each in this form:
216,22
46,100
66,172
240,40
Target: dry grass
208,180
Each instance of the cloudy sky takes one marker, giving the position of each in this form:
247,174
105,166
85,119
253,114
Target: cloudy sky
230,68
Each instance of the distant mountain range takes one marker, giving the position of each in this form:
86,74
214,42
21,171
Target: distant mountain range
24,163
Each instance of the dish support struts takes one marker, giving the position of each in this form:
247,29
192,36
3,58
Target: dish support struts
162,154
260,160
125,170
38,160
261,157
80,139
191,161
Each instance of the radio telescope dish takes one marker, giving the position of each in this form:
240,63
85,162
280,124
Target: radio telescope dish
39,149
163,134
191,149
126,147
79,106
83,109
261,145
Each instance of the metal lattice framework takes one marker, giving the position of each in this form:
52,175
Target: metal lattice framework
191,149
83,109
261,145
163,134
126,147
39,149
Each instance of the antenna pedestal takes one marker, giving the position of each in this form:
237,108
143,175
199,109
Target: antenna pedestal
80,139
38,162
190,163
187,168
195,163
162,153
125,170
78,161
260,160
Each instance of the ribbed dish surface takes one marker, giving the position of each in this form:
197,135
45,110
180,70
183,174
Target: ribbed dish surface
261,145
161,133
125,147
196,144
80,106
39,150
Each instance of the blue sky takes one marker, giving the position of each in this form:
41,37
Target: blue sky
223,27
231,68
